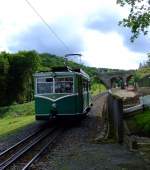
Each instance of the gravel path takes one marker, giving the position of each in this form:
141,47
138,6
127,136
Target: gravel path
77,151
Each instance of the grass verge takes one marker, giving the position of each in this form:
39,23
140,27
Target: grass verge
15,117
12,125
140,123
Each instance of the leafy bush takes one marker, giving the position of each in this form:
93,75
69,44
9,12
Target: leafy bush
140,123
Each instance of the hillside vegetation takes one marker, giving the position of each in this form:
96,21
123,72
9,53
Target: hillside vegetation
142,72
144,68
16,74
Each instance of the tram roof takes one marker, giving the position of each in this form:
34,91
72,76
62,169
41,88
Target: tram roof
63,71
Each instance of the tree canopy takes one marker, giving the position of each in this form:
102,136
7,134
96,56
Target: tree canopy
17,69
138,19
16,82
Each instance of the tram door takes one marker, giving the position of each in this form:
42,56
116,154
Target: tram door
80,92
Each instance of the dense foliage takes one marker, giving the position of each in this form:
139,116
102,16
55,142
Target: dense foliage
140,123
4,68
16,82
48,61
144,69
138,19
16,73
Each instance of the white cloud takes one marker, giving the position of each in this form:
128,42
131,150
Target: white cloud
107,50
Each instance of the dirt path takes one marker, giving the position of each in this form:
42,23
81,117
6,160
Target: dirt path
77,151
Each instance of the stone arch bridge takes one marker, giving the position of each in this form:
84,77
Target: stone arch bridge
108,78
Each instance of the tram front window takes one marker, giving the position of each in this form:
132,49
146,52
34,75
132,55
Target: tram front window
64,85
44,85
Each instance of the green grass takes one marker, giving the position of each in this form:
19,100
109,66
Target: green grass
13,118
97,88
17,110
141,122
12,125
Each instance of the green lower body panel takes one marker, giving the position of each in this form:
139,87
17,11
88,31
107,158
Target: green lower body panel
67,105
50,107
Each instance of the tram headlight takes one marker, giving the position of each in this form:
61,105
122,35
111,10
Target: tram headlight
54,105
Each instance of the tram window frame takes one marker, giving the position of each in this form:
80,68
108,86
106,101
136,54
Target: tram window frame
44,80
63,82
85,86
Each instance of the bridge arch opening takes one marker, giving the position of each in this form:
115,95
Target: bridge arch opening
117,82
130,80
113,82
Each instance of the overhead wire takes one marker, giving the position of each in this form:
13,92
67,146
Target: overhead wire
48,26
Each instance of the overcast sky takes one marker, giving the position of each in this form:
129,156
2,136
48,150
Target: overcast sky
89,27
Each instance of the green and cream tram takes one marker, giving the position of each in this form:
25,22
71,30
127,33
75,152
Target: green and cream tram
61,92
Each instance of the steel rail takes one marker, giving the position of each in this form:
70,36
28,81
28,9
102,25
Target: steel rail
3,153
42,149
18,154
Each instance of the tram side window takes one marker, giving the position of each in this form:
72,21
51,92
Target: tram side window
64,85
44,85
85,86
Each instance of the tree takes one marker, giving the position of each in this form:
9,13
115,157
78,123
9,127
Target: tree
138,19
4,67
22,66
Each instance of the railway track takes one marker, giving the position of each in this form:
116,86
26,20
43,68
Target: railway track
25,152
101,94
